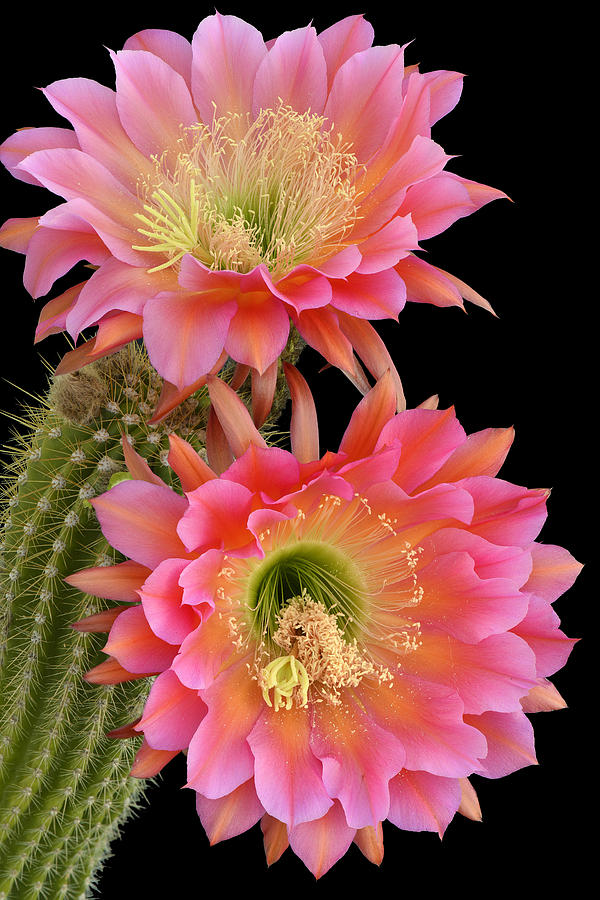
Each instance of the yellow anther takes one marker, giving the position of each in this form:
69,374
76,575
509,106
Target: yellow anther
283,675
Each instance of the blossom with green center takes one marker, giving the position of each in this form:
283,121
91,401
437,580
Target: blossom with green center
338,640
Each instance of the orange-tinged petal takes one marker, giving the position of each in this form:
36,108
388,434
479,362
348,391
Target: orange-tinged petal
469,802
137,465
372,351
368,419
112,672
481,454
275,838
235,419
543,698
188,465
148,761
304,427
369,841
263,392
120,582
99,622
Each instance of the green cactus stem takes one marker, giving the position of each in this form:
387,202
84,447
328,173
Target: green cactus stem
64,786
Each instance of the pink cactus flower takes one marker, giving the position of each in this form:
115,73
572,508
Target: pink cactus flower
230,187
338,640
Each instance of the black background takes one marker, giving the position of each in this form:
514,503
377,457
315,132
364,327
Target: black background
517,127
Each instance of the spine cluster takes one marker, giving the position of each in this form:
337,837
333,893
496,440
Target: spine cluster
64,785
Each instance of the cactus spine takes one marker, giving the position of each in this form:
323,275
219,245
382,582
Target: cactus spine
64,786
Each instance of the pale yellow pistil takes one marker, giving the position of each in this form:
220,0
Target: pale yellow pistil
285,676
320,655
281,195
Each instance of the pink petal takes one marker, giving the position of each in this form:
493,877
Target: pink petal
467,607
304,288
509,738
76,214
493,674
135,646
490,560
92,110
267,471
172,714
506,513
540,628
428,719
115,285
168,45
219,758
140,520
293,72
229,816
321,842
342,40
320,329
422,161
479,194
149,762
388,245
431,508
542,698
294,792
378,296
28,140
185,334
370,843
258,332
153,101
445,89
427,437
203,652
73,174
51,253
364,97
426,284
275,838
554,571
115,330
372,351
423,802
227,53
199,580
161,599
216,518
264,385
358,758
436,204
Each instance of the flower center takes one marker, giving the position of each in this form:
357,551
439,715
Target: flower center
320,656
280,195
320,570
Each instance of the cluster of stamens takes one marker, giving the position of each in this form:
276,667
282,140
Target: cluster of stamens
280,194
324,657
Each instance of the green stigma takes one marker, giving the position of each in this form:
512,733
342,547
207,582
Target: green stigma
308,567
